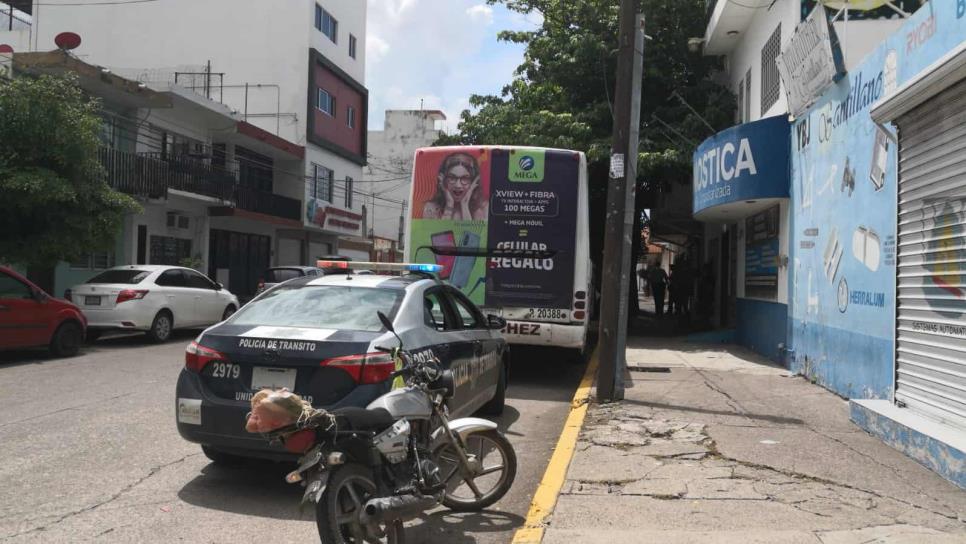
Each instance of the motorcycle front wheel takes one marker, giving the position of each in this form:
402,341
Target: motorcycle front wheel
338,509
492,466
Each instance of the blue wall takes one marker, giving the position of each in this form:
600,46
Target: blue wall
762,326
842,320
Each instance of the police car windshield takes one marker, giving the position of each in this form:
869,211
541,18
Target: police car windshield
321,307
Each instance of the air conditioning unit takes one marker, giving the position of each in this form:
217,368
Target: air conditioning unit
178,221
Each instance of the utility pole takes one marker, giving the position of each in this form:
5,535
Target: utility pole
619,226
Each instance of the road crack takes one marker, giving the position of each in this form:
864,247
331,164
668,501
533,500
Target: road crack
90,508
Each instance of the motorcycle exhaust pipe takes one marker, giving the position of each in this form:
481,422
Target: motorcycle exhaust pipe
403,508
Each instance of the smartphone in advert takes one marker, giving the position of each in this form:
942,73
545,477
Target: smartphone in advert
444,240
463,266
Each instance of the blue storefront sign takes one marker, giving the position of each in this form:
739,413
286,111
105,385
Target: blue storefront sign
745,162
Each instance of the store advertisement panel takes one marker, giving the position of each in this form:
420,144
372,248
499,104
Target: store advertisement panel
533,203
761,254
451,191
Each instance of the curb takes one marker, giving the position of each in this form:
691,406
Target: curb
548,490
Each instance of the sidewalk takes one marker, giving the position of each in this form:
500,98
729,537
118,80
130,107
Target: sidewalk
716,444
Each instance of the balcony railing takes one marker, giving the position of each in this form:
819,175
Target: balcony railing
148,175
254,200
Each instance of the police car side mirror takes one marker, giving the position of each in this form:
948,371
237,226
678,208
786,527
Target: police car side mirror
495,322
385,322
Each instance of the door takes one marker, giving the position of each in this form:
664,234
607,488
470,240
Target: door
142,244
181,300
207,302
931,258
23,320
450,347
477,349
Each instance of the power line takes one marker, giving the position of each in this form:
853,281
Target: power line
105,3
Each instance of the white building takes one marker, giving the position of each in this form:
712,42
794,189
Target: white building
387,176
15,25
294,68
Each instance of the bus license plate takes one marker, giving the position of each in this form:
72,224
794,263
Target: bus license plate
549,314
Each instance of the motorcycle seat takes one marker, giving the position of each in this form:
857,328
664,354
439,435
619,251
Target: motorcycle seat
362,419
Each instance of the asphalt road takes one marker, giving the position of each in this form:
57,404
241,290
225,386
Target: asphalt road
89,451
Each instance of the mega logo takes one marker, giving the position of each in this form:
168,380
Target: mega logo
528,168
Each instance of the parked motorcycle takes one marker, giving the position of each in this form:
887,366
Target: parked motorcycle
369,470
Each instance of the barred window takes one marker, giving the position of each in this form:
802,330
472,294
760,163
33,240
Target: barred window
740,98
97,260
322,183
348,192
770,80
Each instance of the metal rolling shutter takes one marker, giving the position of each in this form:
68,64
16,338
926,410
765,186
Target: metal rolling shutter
931,267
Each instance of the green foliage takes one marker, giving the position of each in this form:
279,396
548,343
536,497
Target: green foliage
56,202
561,96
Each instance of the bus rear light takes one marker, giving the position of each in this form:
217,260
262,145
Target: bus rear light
580,295
579,315
580,305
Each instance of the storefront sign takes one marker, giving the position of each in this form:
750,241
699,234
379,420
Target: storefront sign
745,162
810,63
332,218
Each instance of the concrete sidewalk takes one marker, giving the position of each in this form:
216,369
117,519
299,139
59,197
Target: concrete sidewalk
716,444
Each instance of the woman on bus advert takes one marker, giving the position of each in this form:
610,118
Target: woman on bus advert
451,192
459,193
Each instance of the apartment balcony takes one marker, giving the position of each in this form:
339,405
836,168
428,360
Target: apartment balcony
150,176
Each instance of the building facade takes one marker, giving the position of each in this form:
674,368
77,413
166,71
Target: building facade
293,69
387,179
872,244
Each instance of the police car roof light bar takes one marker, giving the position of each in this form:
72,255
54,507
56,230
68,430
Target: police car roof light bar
381,267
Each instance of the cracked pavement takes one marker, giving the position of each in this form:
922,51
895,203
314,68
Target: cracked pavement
727,447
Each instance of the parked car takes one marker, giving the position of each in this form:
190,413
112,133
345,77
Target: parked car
276,275
155,299
318,337
29,317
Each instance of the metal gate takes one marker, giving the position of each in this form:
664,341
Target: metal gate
931,267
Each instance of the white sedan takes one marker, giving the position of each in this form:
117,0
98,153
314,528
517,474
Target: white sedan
151,298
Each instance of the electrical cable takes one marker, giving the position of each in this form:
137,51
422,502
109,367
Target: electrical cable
104,3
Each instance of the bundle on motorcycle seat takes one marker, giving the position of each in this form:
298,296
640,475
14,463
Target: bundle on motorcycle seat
275,409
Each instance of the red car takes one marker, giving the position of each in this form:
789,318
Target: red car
29,317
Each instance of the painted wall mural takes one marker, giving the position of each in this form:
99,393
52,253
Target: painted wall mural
844,214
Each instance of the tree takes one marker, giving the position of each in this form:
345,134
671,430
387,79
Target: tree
56,202
561,94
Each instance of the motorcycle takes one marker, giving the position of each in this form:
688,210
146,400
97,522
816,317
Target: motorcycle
370,470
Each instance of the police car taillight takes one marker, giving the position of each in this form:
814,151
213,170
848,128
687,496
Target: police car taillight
196,357
368,368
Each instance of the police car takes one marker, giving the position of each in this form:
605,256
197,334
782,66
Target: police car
317,336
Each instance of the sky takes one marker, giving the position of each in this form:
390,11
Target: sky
440,51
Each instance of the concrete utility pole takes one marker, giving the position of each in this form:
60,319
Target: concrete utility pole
618,233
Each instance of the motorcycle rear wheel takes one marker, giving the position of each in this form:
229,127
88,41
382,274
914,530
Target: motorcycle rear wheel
471,489
338,509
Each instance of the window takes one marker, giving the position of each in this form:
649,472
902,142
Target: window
128,276
468,313
740,98
326,102
98,260
748,95
12,288
171,278
348,192
352,46
326,23
195,280
323,178
278,275
770,80
350,117
322,307
434,313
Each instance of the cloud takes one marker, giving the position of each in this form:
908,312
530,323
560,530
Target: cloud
440,51
481,13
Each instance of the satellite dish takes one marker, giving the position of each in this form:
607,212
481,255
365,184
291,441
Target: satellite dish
6,49
67,41
857,5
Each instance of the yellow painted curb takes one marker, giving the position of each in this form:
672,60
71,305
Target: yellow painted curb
545,498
